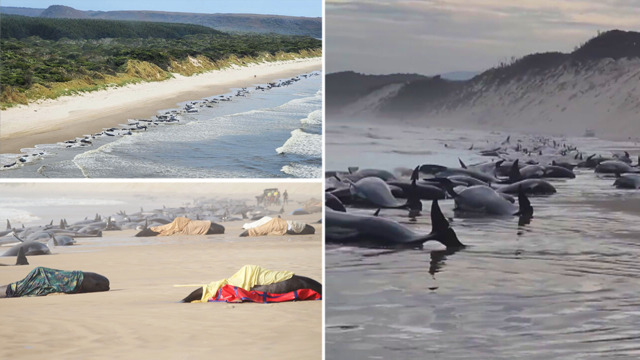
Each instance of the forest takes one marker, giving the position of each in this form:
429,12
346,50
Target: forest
47,58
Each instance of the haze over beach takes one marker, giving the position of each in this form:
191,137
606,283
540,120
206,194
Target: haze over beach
141,315
519,80
151,61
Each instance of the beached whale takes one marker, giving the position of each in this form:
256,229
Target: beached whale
265,285
628,181
483,199
30,248
331,201
374,191
443,171
43,281
183,226
375,231
21,258
614,167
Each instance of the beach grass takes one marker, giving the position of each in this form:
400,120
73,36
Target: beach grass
137,71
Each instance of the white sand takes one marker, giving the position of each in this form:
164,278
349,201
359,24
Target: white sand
65,118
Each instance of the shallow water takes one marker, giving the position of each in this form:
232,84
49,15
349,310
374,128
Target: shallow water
563,287
261,134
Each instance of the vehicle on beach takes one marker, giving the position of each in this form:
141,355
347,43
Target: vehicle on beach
270,196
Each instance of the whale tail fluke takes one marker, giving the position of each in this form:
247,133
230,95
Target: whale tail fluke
21,259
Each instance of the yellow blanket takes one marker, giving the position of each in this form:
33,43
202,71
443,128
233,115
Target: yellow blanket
183,226
247,277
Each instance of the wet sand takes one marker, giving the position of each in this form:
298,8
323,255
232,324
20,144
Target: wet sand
140,317
68,117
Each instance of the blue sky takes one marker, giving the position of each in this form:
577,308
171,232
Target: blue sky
310,8
437,36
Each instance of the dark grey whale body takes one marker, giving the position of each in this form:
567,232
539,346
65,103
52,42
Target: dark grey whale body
483,199
628,181
374,231
375,191
30,248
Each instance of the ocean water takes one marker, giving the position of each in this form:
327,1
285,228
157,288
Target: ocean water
563,287
257,134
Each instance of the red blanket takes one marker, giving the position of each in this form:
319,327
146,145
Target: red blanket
229,293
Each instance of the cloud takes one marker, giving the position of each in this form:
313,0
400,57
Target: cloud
435,36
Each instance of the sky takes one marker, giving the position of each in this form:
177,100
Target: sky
432,37
309,8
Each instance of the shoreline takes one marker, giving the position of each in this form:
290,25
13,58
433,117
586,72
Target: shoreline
73,116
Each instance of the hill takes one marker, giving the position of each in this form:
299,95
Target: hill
20,27
343,88
595,86
242,23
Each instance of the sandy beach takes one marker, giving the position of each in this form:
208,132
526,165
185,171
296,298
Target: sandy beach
140,317
65,118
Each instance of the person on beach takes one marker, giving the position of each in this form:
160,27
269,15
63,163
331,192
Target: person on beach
43,281
285,197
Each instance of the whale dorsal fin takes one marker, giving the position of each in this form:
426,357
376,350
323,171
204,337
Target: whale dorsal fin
415,175
438,222
377,212
525,208
463,165
8,225
514,173
21,259
62,226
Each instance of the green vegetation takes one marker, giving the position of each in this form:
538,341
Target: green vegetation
36,68
20,27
